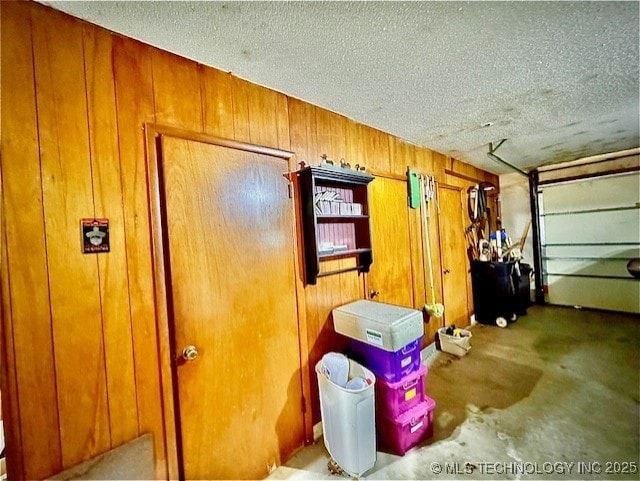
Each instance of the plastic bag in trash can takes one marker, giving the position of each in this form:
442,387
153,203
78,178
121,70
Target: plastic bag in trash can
357,383
336,367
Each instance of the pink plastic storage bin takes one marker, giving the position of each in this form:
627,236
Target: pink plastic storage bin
399,435
390,366
395,398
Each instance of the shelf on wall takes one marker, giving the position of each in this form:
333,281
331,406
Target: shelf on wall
337,188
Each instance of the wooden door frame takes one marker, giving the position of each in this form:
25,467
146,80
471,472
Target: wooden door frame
153,135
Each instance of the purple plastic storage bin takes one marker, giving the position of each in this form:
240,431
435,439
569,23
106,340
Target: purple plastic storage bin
395,398
399,435
390,366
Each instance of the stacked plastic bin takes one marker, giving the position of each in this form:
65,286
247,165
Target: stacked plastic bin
387,340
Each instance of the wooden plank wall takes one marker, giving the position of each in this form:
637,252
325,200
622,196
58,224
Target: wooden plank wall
80,366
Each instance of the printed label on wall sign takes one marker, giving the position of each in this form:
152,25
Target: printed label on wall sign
374,337
95,235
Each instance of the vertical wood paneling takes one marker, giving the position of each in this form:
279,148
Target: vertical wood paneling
8,385
282,121
418,259
96,380
328,288
331,138
326,143
300,116
436,265
107,187
422,284
241,110
73,277
439,166
409,160
427,160
355,149
297,120
263,124
416,239
313,148
338,131
176,91
401,155
424,160
217,102
300,140
134,104
353,284
310,130
31,379
461,168
394,151
297,128
376,149
303,332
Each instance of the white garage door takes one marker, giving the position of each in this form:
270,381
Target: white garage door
590,229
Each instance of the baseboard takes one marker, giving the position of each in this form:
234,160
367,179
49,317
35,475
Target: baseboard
427,352
317,431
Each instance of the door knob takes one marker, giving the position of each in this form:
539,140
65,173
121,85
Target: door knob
373,293
446,271
190,353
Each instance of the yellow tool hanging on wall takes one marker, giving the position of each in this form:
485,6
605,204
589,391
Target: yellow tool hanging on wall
427,193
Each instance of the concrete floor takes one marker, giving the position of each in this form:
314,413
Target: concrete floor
553,396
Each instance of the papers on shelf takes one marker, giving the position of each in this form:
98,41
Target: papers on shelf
328,203
330,248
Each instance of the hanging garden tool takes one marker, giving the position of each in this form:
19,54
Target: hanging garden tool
427,193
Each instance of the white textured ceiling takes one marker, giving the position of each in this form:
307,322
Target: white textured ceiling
558,80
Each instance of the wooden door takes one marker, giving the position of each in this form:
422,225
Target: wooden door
390,278
453,256
229,233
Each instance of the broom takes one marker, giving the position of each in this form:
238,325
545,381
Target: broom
433,309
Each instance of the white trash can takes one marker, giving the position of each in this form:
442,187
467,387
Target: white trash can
348,420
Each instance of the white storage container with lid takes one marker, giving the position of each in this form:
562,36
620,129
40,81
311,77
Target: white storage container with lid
386,326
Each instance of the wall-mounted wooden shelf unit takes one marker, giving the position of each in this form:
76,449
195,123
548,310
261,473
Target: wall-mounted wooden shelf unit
335,219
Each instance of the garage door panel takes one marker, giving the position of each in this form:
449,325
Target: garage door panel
618,295
589,231
608,250
591,227
601,193
589,267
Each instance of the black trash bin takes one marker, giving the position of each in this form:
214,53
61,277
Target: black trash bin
524,289
495,288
